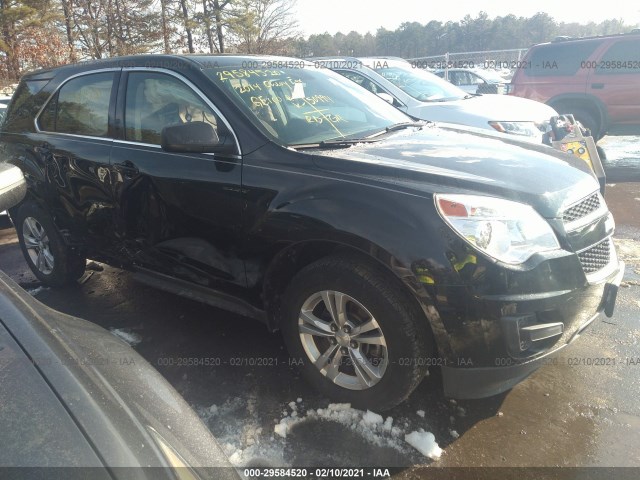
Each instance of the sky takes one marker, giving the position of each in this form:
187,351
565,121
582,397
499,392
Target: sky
319,16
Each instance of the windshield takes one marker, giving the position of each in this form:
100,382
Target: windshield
420,84
298,106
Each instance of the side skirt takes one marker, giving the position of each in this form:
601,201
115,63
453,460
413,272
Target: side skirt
198,293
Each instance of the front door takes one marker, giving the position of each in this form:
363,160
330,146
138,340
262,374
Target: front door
178,214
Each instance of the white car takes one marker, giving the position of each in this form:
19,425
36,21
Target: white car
426,96
475,81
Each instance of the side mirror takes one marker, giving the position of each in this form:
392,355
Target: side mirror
194,137
386,97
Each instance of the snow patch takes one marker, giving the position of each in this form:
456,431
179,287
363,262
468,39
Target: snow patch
425,443
420,413
236,425
35,291
371,419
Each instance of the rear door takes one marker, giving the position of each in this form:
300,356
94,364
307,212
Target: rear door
73,143
178,214
615,79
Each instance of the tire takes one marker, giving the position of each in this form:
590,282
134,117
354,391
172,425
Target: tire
587,119
49,258
377,376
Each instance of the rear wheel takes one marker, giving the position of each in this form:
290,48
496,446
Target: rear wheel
49,258
361,338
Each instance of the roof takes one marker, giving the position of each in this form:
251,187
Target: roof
168,61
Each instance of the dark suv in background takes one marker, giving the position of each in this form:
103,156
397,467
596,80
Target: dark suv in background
597,79
378,245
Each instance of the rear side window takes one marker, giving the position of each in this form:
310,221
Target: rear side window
561,59
80,107
622,57
24,106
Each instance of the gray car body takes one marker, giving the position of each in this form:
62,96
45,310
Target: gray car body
74,395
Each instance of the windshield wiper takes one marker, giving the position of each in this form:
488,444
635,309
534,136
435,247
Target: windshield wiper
400,126
340,143
344,143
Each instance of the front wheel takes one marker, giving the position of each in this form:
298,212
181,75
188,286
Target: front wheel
359,335
49,258
587,119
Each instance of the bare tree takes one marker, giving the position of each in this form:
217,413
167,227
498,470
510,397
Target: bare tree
214,23
109,28
188,22
263,26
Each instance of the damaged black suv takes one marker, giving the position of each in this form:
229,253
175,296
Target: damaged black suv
378,246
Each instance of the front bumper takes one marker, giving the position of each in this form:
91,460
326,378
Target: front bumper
480,382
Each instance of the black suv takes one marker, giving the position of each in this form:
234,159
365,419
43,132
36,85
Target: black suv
378,245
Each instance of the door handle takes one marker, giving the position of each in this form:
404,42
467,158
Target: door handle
127,168
598,86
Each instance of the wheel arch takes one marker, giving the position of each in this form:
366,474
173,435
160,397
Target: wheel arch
579,100
292,259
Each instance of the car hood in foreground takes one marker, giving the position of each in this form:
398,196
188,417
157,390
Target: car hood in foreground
125,409
435,159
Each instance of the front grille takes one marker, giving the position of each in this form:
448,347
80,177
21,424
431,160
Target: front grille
582,209
596,257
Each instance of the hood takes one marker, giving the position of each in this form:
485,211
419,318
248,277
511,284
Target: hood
128,412
441,160
477,111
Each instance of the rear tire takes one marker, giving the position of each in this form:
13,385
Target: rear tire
371,350
49,258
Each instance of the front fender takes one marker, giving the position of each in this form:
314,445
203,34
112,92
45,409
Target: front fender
400,231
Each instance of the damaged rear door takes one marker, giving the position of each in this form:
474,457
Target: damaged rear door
178,213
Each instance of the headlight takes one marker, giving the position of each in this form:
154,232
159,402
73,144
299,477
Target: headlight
526,129
507,231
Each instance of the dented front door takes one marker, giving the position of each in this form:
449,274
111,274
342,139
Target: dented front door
178,214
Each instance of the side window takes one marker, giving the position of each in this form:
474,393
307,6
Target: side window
475,79
560,59
622,57
25,105
155,100
361,80
80,107
455,78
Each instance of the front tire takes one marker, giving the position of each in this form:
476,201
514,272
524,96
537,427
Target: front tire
361,337
49,258
587,119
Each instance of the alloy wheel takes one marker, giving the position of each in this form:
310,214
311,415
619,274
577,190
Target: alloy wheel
343,340
36,241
